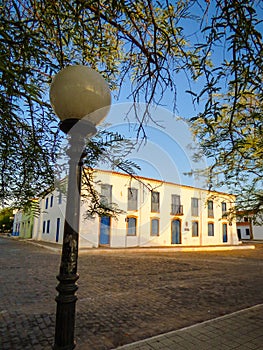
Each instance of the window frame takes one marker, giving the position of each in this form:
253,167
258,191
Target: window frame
131,192
195,209
210,224
210,208
51,201
128,228
158,227
195,223
155,203
48,226
105,200
176,207
224,210
60,197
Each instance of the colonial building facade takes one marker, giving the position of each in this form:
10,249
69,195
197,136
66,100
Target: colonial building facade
153,213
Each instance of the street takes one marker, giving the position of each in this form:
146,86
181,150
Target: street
122,297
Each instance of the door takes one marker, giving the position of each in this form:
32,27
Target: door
176,232
104,230
224,233
57,229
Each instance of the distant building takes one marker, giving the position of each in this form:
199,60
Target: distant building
154,213
248,225
24,222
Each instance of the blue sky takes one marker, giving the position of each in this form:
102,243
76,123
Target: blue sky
168,151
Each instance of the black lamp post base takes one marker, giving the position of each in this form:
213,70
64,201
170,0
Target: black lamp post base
65,316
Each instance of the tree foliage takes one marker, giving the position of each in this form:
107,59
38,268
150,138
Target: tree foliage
143,44
230,127
6,219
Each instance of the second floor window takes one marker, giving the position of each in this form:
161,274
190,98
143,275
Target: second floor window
51,201
195,206
176,207
46,205
106,194
132,199
224,208
210,206
60,198
155,202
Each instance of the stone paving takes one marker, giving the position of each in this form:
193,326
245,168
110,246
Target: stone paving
122,297
242,330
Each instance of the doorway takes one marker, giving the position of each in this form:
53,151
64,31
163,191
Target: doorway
224,233
104,230
176,232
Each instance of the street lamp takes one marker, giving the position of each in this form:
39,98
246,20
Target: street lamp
81,99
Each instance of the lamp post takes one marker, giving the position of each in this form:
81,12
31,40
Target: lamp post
81,99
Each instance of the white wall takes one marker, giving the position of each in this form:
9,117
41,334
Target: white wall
90,228
258,232
51,214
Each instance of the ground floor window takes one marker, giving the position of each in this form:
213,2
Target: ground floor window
211,229
48,226
154,227
195,231
131,226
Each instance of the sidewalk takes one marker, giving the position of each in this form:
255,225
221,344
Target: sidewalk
242,330
58,248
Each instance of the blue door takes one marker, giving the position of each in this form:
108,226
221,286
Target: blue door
176,232
104,230
58,229
224,233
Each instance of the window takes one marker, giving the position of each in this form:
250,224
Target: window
132,199
155,227
131,226
60,198
210,229
46,206
210,207
224,233
51,201
57,229
176,207
48,225
247,232
224,209
44,226
155,199
195,206
245,219
106,194
195,232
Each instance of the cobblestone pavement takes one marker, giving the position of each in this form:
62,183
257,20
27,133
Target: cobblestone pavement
122,297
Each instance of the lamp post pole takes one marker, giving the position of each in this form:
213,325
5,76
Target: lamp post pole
68,276
81,98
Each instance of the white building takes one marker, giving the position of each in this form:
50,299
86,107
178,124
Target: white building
154,213
247,228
